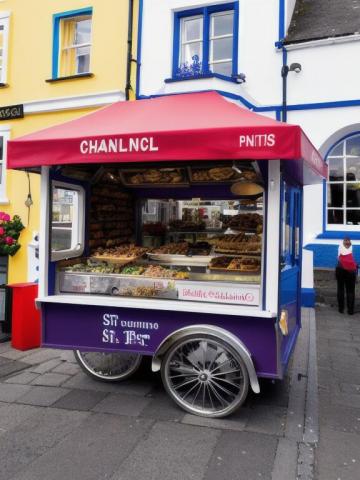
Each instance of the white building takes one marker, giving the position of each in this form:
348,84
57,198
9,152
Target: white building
309,47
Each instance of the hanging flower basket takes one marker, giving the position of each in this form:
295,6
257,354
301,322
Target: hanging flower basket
9,234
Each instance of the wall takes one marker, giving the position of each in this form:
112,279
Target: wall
46,104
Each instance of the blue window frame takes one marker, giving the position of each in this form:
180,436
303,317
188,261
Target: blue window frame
206,42
71,42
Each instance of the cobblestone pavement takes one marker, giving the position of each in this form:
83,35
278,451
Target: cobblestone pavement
57,423
338,347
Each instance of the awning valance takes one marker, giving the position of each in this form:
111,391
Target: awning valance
194,126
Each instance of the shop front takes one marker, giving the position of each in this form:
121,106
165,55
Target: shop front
172,227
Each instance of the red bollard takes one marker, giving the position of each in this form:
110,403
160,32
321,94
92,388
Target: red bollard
26,325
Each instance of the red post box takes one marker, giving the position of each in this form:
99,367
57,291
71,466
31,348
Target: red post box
26,325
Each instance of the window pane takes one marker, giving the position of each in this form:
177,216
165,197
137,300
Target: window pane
353,195
222,24
1,148
1,167
338,150
353,169
221,48
83,59
190,50
352,217
353,146
224,68
192,29
336,169
64,203
83,31
335,195
335,216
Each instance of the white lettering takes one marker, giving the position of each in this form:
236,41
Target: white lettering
133,144
257,141
102,147
84,147
144,144
92,146
121,148
153,148
112,146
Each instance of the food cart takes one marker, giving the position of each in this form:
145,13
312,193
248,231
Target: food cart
172,227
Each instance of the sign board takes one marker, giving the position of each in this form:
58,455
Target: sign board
11,112
219,294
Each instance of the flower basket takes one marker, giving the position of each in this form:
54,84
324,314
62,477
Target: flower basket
9,234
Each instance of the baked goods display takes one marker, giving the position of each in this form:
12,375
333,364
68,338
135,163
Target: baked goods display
238,264
183,248
240,243
222,174
186,226
246,221
126,252
151,176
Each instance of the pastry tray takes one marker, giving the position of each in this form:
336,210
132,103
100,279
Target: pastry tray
117,260
184,259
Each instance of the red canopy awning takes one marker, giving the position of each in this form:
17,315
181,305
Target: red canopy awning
195,126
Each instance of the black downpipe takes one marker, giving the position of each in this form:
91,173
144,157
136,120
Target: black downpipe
284,74
129,50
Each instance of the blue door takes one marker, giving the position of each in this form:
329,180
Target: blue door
290,268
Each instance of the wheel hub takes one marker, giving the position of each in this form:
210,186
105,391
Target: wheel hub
204,377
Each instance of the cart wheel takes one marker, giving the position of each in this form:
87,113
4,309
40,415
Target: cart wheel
205,376
108,367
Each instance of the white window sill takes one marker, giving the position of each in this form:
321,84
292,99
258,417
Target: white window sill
4,201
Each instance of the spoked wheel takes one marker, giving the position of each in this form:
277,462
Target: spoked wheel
205,376
108,367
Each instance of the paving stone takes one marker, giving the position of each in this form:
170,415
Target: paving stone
84,382
242,455
46,366
5,347
42,396
21,445
120,404
350,388
10,393
67,368
41,355
22,378
236,421
338,455
13,354
170,451
271,393
4,361
12,367
68,356
265,419
344,419
80,400
12,415
162,407
346,399
50,379
88,456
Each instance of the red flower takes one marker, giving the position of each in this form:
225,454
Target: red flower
9,240
2,231
6,217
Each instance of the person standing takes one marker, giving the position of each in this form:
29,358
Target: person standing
346,276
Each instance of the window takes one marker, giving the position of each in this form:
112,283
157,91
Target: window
72,43
206,41
4,34
4,137
343,187
67,221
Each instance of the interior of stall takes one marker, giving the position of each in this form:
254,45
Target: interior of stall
168,231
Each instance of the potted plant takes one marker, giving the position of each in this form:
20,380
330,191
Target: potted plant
9,233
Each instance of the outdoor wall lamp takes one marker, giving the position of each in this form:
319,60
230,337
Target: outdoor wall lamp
239,77
285,69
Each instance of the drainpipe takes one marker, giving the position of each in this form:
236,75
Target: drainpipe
129,50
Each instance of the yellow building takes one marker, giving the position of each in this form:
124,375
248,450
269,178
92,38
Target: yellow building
58,61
